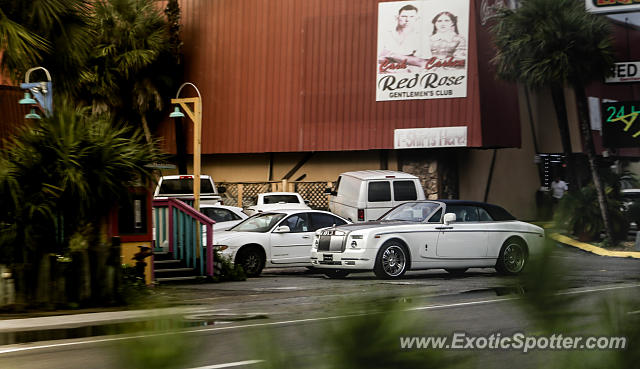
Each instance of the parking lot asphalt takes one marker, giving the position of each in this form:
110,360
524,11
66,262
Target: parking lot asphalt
292,293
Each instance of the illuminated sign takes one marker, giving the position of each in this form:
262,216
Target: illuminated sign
625,72
420,138
620,124
612,6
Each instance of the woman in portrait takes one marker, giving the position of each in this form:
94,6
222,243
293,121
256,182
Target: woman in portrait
446,43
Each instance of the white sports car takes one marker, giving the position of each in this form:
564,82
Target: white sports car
450,234
274,239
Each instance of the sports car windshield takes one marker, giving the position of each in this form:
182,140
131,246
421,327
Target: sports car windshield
411,211
260,223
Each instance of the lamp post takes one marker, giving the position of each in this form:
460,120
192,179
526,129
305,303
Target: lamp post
196,116
42,92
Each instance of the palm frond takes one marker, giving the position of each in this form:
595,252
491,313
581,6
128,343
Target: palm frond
551,41
21,47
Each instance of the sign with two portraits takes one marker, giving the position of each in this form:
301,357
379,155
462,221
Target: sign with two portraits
422,49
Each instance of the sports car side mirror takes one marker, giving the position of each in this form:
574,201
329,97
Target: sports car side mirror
449,218
282,229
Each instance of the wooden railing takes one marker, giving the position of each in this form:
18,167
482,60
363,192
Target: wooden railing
181,226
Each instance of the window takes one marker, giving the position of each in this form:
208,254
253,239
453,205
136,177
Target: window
379,191
183,186
484,216
337,186
435,218
219,215
259,223
321,220
297,223
132,215
274,199
464,213
411,211
404,190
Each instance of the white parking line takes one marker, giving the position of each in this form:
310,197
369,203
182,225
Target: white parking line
598,289
12,349
460,304
229,365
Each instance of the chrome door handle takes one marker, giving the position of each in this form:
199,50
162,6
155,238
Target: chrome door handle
306,237
444,227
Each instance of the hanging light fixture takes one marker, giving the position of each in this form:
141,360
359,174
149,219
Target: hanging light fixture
28,100
32,114
176,113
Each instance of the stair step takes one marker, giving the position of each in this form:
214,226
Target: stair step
174,270
169,261
176,279
163,255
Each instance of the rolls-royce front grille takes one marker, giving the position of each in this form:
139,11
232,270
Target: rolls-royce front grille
331,243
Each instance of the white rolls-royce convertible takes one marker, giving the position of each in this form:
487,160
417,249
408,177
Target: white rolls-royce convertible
450,234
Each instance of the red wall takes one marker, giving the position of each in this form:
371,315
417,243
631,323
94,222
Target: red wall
290,75
12,113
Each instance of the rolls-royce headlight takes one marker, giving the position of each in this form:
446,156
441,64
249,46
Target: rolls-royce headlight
354,245
315,243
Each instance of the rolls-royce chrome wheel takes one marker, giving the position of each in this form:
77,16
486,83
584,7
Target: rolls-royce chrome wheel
392,261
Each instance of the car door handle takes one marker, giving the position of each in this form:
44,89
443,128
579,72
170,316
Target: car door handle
306,237
444,227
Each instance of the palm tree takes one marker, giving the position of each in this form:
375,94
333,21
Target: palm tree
51,33
553,43
62,176
131,68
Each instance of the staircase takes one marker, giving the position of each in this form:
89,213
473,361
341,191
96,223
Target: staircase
181,253
169,270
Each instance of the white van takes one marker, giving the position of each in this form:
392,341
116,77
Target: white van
368,194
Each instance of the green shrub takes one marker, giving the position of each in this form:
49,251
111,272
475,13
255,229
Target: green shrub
579,213
133,288
226,270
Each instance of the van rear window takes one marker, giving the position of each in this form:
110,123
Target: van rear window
379,191
404,190
183,186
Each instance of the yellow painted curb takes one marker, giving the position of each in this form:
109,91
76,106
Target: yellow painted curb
594,249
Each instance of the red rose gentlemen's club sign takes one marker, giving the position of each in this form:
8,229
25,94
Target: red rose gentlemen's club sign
422,49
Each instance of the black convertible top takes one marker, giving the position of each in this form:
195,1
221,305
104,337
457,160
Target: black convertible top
495,211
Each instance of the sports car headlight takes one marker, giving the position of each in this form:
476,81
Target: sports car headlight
220,247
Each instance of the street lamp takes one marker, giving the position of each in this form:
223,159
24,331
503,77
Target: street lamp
196,116
42,92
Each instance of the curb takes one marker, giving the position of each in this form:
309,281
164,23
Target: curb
91,319
594,249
